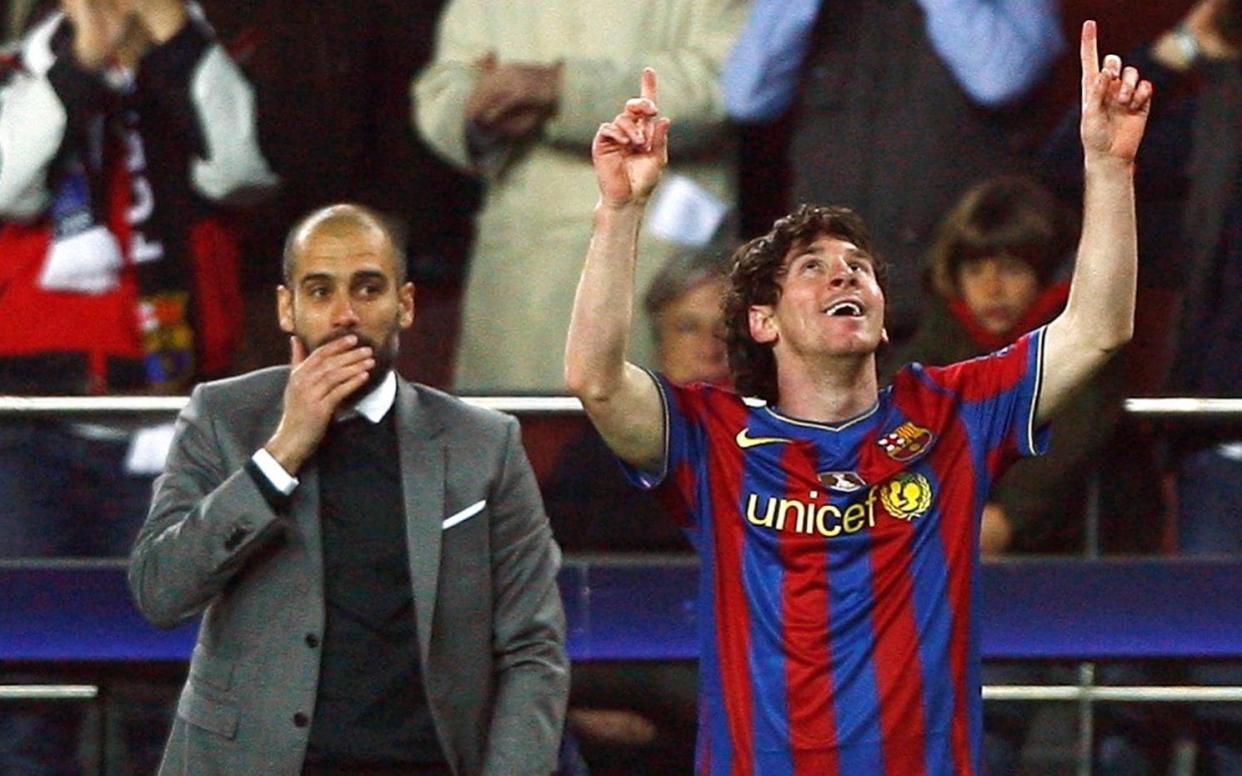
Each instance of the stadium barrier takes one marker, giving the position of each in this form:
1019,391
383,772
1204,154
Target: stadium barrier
1085,609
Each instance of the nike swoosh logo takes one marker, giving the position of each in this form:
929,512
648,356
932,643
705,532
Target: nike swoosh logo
745,440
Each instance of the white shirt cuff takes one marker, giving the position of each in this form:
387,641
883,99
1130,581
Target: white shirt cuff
280,479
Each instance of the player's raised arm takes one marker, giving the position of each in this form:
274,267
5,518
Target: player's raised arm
629,154
1099,316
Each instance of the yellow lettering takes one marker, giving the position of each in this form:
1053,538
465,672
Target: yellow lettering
807,517
820,523
766,521
786,505
852,522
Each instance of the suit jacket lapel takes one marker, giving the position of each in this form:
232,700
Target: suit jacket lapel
424,470
305,508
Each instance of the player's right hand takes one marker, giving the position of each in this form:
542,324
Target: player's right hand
318,383
631,151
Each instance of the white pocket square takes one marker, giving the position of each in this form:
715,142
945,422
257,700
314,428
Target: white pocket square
464,514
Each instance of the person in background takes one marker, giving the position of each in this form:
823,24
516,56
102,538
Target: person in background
332,84
1200,148
996,271
513,95
1207,47
125,132
684,307
124,127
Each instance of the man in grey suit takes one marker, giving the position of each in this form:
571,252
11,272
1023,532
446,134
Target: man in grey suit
375,570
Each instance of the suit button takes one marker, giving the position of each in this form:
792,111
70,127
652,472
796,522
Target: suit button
312,640
236,537
301,720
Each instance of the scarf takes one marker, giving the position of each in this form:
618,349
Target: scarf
107,191
1049,302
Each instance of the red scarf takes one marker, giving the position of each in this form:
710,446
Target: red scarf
1049,302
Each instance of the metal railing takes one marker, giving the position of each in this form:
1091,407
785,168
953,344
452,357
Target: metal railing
1180,409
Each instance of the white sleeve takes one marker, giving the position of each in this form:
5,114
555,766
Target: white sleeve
32,127
234,170
276,475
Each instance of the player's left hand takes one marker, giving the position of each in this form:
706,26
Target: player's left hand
630,152
1115,103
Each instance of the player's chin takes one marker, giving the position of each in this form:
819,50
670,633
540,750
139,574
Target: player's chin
853,346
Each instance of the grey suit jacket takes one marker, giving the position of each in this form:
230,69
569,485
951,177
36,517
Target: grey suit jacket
483,569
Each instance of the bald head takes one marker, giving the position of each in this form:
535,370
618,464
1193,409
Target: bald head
339,220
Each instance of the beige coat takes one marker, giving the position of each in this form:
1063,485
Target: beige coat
536,219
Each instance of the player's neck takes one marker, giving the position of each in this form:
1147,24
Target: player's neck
828,391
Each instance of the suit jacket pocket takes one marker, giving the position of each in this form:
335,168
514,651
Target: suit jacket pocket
210,669
463,515
207,713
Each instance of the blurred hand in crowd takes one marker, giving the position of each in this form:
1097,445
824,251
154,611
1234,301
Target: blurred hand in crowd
1211,30
119,31
515,98
162,19
104,31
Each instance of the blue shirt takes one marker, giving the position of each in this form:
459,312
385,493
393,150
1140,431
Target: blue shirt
997,50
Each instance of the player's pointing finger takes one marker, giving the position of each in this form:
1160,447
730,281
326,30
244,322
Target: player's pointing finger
1089,50
649,90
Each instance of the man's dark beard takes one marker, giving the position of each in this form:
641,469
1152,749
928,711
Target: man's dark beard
385,359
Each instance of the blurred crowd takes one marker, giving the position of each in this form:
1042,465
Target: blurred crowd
154,153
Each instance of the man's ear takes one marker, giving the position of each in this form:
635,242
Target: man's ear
884,335
762,327
405,298
284,309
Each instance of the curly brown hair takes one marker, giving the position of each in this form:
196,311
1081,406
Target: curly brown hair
758,267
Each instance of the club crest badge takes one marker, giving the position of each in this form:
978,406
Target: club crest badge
906,442
842,482
906,496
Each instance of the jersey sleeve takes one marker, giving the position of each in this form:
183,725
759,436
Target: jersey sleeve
676,483
998,395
